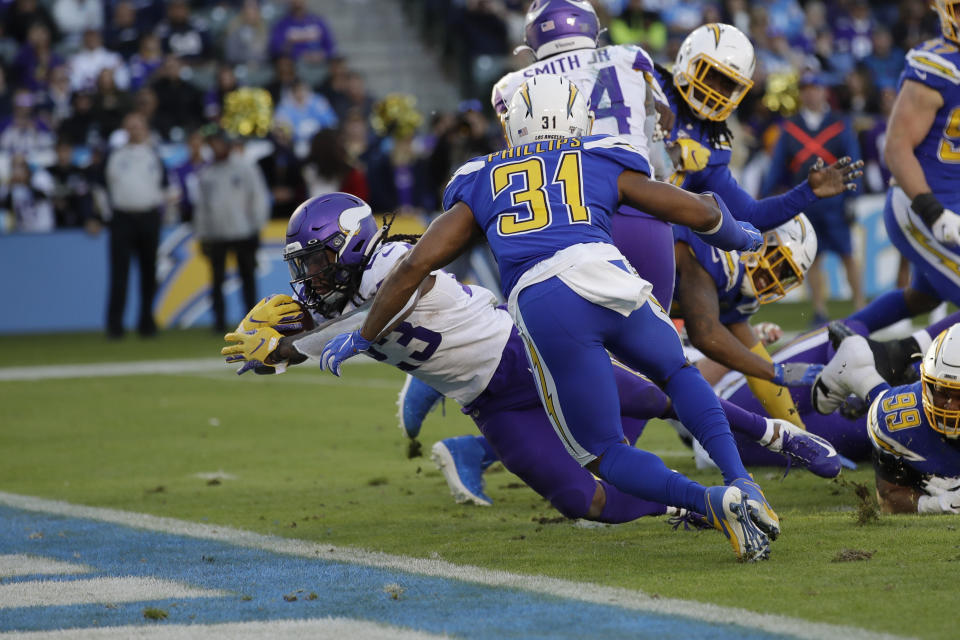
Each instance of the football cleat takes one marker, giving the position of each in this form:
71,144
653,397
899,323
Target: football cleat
461,461
415,401
853,367
690,520
806,449
760,510
893,359
727,511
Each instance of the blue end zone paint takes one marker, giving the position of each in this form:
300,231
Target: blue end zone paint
430,604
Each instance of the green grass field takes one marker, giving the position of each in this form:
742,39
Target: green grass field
317,458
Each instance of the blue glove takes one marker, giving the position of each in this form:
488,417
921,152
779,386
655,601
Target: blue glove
754,236
795,374
341,347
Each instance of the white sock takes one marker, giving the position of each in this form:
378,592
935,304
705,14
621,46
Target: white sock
771,438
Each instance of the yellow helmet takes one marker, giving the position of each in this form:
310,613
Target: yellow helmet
783,261
713,70
940,377
949,12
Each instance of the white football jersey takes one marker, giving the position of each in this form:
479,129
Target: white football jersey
454,337
615,78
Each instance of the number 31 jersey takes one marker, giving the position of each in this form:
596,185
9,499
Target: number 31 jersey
536,199
936,65
615,78
453,338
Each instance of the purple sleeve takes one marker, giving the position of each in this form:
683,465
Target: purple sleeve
641,62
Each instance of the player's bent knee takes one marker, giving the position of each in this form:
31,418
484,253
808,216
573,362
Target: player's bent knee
573,501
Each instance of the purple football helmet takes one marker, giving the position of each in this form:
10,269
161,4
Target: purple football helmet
330,239
555,26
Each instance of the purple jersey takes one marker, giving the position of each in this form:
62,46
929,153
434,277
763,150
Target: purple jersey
849,437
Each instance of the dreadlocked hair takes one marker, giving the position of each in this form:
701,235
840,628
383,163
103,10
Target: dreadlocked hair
717,133
409,238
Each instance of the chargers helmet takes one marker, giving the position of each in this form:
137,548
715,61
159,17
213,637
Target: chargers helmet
546,107
555,26
713,70
782,262
330,239
940,378
949,12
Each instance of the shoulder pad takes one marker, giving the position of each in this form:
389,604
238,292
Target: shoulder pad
883,441
611,142
925,62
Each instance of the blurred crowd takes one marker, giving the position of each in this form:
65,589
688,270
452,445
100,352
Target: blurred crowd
265,74
269,73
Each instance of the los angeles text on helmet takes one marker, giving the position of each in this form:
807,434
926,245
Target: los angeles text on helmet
535,147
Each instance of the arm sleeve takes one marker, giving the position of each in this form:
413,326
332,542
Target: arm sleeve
764,214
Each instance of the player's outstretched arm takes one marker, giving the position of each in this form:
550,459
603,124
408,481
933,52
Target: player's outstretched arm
705,213
446,238
697,295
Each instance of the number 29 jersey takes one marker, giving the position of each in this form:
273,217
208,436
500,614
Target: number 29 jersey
936,65
533,200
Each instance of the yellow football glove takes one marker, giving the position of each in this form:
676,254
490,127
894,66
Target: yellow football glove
252,348
278,311
692,155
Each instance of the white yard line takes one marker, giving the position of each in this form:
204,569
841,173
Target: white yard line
317,629
139,368
22,564
48,593
585,592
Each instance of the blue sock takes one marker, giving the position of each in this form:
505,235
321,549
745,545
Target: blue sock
489,456
698,408
642,474
743,421
884,311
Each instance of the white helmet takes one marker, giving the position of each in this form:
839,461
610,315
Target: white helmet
546,107
713,70
940,376
782,262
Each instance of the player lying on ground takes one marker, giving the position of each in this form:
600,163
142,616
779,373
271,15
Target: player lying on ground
914,428
574,297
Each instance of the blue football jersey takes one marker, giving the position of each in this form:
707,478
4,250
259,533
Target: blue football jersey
936,64
693,128
536,199
902,435
727,271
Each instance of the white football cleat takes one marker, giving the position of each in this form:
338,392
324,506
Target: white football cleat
852,370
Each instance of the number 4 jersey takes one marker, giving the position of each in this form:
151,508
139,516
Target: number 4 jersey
453,338
615,78
936,65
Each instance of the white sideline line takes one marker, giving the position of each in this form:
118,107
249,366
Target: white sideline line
49,593
317,629
22,564
585,592
117,369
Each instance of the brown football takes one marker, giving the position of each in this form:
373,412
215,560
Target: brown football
308,322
